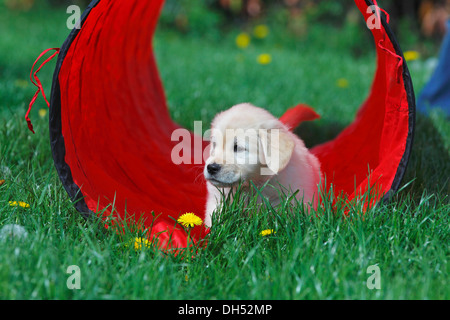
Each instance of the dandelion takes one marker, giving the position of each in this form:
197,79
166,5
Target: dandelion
264,58
261,31
19,203
5,171
11,231
190,220
342,83
243,40
411,55
42,113
267,232
140,242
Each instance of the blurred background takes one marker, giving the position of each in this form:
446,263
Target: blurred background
418,18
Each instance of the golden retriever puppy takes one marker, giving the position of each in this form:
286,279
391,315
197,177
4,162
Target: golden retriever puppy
250,144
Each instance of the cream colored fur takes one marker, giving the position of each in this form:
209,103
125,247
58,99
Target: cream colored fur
255,157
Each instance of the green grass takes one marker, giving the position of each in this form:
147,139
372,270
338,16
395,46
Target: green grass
309,257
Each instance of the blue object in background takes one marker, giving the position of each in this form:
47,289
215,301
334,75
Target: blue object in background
436,93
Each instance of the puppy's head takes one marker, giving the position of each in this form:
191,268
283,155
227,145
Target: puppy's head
247,143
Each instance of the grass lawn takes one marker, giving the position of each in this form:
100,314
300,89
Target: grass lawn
323,257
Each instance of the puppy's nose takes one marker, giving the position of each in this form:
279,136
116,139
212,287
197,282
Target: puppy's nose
213,168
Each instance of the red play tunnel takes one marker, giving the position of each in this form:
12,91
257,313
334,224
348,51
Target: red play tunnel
111,130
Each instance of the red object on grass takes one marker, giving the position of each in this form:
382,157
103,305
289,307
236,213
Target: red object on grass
293,117
111,130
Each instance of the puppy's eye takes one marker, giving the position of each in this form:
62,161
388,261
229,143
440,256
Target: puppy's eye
237,148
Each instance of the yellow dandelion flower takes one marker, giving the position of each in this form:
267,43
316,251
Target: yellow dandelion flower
411,55
140,242
342,83
261,31
190,220
267,232
19,203
264,58
243,40
42,113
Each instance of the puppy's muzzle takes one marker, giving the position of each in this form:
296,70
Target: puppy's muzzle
213,168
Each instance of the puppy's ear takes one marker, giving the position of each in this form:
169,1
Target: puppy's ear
277,147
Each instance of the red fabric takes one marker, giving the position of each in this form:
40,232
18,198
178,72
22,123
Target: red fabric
375,142
293,117
38,84
117,128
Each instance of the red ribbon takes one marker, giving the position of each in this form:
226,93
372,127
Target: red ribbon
38,84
